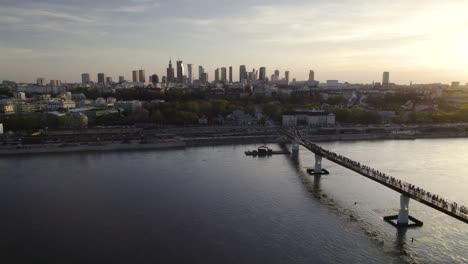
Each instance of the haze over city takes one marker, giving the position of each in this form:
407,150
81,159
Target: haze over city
353,41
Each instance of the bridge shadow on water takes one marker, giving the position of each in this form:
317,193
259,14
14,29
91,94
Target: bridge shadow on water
395,246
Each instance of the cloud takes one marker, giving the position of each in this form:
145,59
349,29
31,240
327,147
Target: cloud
22,14
138,6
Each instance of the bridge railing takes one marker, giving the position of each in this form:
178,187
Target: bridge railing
378,176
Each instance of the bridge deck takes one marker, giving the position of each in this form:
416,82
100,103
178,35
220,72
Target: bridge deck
430,199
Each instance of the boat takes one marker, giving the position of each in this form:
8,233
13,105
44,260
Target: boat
261,151
264,150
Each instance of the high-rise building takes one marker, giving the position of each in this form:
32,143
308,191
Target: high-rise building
142,75
164,79
311,76
55,83
201,70
190,73
101,77
121,79
242,73
180,71
85,78
154,79
170,78
386,80
217,75
204,77
277,74
108,79
286,75
223,74
253,75
41,82
135,77
262,74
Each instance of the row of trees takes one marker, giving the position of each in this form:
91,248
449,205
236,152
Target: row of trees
188,112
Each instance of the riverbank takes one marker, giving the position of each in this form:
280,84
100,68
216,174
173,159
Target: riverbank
137,145
379,136
211,141
54,148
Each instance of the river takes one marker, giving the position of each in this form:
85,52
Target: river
216,205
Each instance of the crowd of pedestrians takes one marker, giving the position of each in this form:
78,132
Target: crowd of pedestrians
384,178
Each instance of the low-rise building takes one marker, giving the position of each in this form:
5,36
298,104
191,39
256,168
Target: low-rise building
19,96
58,104
242,119
26,108
7,108
129,106
315,118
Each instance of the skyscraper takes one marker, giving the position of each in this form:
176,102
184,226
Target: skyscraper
262,74
190,73
204,77
121,79
311,76
286,75
101,77
201,70
154,79
170,73
386,80
85,78
223,74
55,83
230,74
242,73
142,75
277,74
108,79
180,71
135,76
41,81
217,74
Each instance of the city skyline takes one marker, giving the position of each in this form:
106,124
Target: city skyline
61,40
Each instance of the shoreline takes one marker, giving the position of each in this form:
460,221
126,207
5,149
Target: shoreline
211,141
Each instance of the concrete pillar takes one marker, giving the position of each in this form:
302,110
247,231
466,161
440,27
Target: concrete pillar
404,211
318,164
295,147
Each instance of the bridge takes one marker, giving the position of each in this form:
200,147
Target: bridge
408,191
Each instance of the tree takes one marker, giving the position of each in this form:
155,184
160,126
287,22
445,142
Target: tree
141,116
157,117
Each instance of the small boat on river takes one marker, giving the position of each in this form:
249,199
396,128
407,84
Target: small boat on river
265,151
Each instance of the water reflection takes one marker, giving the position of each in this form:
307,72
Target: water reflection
400,243
311,186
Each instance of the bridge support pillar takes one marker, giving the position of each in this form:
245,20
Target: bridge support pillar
318,164
317,169
403,219
403,214
295,148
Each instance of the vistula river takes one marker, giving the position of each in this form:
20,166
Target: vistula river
216,205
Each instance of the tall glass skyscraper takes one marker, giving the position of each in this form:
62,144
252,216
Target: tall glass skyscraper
180,71
190,73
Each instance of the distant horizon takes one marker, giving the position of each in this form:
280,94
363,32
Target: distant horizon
348,40
128,76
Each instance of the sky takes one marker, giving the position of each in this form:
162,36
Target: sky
423,41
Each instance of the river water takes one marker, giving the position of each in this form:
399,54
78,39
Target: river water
216,205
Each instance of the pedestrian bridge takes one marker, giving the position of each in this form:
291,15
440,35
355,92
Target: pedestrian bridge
406,189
